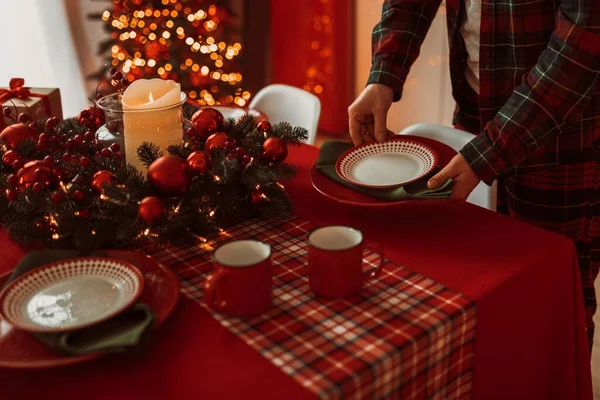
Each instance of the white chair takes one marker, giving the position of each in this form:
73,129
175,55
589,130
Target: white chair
287,103
483,195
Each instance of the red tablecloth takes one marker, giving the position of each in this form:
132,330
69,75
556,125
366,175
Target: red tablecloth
530,340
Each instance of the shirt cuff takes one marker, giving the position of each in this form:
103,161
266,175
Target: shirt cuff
389,74
485,158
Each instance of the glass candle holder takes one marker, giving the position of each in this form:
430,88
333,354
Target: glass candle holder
163,126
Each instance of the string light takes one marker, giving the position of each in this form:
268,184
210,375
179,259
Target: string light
320,70
144,34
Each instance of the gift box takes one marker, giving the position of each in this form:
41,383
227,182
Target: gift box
38,103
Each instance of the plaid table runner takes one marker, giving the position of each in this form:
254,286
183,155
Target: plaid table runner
404,336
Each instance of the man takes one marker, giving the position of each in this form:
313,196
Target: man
525,79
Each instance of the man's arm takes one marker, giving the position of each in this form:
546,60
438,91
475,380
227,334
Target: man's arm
397,40
554,93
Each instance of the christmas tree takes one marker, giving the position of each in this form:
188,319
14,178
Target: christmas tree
192,42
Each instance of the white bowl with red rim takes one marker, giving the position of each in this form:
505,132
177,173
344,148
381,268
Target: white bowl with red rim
393,163
70,294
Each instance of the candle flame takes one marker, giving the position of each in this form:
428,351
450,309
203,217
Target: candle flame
150,97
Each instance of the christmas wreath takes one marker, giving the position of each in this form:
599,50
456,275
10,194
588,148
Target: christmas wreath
65,188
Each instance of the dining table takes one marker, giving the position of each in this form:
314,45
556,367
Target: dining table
529,341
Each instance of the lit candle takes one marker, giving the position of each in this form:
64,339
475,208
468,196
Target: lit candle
151,113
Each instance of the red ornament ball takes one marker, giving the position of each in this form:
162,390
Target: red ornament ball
216,141
208,121
151,209
32,172
10,157
169,176
197,162
275,149
106,153
101,178
14,134
264,126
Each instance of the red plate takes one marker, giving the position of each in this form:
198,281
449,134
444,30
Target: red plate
345,195
20,350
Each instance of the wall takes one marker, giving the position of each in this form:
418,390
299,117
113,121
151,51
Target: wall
427,95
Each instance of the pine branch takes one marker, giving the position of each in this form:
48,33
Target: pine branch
148,153
293,136
189,110
26,148
240,130
180,150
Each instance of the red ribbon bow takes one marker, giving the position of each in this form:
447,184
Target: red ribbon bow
18,91
15,89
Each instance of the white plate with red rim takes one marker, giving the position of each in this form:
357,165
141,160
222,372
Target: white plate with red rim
393,163
70,294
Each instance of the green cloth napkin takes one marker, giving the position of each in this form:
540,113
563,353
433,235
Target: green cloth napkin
127,330
332,150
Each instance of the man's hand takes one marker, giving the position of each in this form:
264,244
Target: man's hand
368,114
465,180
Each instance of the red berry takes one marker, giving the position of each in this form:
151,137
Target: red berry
117,75
70,145
11,195
10,157
23,118
115,147
44,138
106,153
67,157
191,132
89,135
264,126
49,161
74,161
6,111
194,147
38,187
84,162
52,122
17,165
124,82
78,140
12,180
56,197
39,175
112,71
230,145
118,155
239,151
246,159
78,195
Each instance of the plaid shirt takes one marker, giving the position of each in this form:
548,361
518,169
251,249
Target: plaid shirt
539,101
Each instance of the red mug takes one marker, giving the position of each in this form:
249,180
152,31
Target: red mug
242,282
335,261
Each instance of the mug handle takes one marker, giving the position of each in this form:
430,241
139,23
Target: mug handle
211,291
375,271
